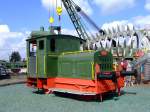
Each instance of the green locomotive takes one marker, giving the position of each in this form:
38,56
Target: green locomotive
56,63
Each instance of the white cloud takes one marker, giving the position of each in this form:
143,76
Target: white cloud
147,5
48,4
112,6
4,28
141,20
11,41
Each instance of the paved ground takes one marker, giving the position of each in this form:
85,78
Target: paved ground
14,79
19,98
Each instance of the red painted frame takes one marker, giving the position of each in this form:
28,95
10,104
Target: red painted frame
95,86
81,85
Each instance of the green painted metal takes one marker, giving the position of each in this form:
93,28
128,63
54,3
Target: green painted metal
41,65
38,34
71,65
105,61
27,54
76,65
63,43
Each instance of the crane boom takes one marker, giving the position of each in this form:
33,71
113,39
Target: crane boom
75,19
78,9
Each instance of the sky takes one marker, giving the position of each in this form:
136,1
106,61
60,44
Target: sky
19,17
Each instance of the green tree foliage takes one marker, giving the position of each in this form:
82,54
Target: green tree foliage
15,56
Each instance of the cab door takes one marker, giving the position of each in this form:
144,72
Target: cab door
31,58
41,65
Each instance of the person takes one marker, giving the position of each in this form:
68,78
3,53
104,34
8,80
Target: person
140,70
138,75
129,80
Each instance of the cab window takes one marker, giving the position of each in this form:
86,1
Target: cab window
32,48
41,44
52,45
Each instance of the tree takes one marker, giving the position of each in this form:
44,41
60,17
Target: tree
15,56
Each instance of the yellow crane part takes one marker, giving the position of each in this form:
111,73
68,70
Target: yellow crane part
51,20
59,10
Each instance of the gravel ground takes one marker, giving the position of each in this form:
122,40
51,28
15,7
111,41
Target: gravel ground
19,98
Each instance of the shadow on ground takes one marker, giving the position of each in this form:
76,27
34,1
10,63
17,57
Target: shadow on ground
89,98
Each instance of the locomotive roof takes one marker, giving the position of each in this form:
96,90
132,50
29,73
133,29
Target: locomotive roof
46,34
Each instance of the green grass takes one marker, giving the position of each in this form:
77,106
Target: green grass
19,98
